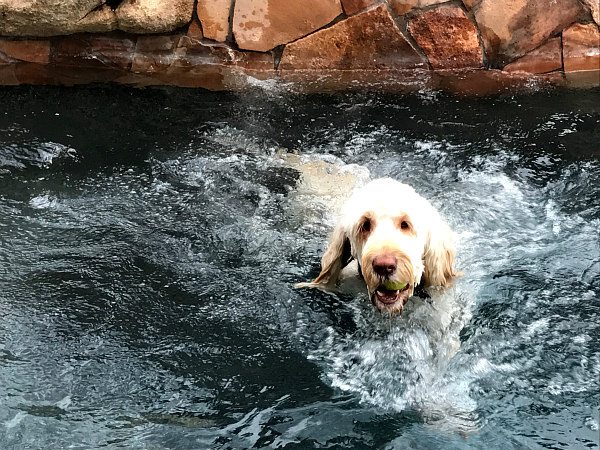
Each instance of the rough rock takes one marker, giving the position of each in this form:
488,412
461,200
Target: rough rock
112,51
448,38
401,7
53,17
470,4
369,40
194,53
193,36
188,62
594,6
194,30
28,51
486,82
154,16
353,6
262,25
543,59
100,20
174,54
581,48
154,53
511,29
214,15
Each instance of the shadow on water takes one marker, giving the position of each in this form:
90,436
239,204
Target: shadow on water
150,240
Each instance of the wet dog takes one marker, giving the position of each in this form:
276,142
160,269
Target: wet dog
399,240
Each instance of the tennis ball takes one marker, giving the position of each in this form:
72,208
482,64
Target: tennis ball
394,285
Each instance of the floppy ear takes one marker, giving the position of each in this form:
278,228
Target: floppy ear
337,255
439,255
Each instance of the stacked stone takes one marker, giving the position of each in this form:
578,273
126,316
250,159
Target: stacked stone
473,45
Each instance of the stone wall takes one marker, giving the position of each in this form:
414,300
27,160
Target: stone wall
468,46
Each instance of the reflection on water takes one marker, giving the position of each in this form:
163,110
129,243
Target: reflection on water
150,241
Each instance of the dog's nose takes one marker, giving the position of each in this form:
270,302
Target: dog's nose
384,265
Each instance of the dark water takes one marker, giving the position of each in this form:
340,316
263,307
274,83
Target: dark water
149,240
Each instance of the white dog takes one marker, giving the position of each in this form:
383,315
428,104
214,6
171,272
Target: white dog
399,240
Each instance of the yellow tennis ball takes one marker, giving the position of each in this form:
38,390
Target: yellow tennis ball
394,285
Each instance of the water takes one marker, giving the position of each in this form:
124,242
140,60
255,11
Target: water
150,240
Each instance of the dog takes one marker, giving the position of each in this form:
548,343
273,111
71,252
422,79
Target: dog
400,241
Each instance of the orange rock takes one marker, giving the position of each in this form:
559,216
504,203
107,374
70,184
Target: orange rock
30,73
479,83
192,63
401,7
594,7
470,4
214,15
262,25
543,59
152,16
369,40
28,51
99,20
379,80
511,29
196,53
193,36
448,38
353,6
159,57
581,48
93,51
52,17
154,53
8,76
194,30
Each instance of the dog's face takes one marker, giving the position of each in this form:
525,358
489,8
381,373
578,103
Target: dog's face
398,239
389,251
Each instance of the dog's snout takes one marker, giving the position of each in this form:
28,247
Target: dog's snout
384,265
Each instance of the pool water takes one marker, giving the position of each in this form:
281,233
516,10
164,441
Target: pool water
150,240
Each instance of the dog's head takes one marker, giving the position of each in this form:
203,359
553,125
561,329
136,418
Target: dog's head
398,239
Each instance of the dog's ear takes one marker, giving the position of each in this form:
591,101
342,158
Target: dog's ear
439,255
337,255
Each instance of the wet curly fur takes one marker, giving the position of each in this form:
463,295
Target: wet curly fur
396,236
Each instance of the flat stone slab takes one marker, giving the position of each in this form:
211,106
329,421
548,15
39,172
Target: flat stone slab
544,59
369,40
103,51
262,25
214,16
37,51
581,49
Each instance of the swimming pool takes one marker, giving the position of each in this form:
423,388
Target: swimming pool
150,240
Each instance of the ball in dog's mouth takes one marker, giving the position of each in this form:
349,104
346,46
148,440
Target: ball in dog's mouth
385,298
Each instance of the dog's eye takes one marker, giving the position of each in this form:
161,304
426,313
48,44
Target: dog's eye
404,225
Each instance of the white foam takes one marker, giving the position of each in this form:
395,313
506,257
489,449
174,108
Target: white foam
591,423
44,202
16,420
49,151
405,363
537,326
